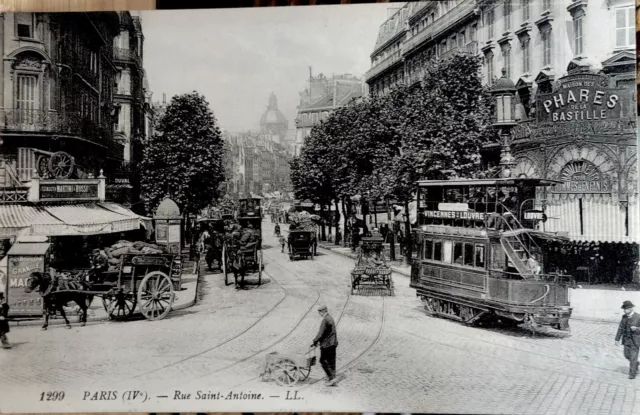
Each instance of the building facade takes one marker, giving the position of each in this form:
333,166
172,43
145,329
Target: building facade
322,96
572,66
56,95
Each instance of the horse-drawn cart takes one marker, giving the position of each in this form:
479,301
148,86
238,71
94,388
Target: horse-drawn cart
146,282
242,248
371,268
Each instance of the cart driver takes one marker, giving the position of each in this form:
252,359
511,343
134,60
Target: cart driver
248,238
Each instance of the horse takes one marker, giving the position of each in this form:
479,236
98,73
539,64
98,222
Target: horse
57,293
237,264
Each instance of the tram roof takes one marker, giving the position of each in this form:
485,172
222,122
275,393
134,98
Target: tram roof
488,182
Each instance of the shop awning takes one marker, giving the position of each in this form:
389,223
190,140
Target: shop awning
90,219
67,220
14,218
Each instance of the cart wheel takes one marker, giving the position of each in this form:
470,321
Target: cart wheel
304,373
61,165
286,373
120,306
260,267
156,295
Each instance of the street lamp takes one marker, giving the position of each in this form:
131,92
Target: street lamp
504,94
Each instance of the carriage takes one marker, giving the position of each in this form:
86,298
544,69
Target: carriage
371,268
481,253
243,253
300,244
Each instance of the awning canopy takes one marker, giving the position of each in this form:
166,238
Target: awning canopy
67,220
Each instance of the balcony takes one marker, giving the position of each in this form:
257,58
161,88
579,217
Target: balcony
470,48
43,121
126,55
462,11
383,65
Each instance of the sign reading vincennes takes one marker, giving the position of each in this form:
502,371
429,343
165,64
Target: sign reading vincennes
577,98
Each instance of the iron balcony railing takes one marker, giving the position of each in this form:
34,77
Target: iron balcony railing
470,48
385,64
126,55
453,16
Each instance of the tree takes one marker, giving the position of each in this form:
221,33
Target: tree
184,159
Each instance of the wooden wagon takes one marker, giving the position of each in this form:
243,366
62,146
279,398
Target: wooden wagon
371,268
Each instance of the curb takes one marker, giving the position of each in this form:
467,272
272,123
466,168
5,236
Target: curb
59,322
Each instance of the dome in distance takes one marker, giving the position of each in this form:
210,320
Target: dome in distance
272,115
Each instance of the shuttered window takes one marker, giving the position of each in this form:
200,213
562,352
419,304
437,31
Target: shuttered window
27,92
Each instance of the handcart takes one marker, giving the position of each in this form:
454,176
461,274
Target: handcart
289,370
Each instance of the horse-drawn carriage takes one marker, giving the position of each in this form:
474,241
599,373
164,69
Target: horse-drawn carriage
242,248
371,267
212,240
300,244
143,282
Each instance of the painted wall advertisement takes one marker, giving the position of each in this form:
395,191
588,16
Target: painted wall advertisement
19,270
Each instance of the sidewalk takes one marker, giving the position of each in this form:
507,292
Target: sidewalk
185,298
588,304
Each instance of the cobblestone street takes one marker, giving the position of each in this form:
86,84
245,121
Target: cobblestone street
392,355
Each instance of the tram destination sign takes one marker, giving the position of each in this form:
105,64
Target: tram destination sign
580,98
443,214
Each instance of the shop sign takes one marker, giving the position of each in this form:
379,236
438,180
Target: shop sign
579,98
581,177
68,191
443,214
20,268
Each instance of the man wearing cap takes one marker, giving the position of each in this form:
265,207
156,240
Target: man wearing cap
327,338
629,332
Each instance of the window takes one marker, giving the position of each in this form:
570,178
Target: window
462,39
447,250
526,55
437,251
428,249
457,253
490,23
506,56
577,35
625,27
507,15
24,25
468,254
27,92
546,5
546,48
480,256
490,70
93,61
474,33
526,10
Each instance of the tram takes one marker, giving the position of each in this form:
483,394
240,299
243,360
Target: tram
481,254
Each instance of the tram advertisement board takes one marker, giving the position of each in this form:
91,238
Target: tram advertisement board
442,214
19,269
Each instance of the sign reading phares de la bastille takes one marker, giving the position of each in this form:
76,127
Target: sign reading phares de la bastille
580,98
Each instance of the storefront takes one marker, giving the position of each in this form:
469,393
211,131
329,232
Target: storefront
584,134
72,215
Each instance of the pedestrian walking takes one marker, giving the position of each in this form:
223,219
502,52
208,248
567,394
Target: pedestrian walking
629,333
327,338
4,322
282,241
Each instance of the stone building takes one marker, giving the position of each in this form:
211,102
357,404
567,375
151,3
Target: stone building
273,121
322,96
56,93
570,66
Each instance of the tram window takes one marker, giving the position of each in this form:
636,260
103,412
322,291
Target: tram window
457,253
447,250
480,256
428,249
437,251
468,254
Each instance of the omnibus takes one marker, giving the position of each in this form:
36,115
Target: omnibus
480,253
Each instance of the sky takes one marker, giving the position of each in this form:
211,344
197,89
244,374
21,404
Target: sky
237,57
